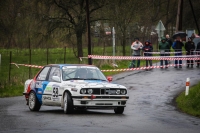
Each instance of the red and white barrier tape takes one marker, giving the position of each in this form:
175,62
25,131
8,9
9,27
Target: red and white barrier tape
195,51
164,52
186,57
171,52
111,70
141,68
27,65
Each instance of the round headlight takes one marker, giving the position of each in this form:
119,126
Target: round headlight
90,91
83,91
117,92
123,92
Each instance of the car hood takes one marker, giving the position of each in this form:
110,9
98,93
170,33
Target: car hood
91,84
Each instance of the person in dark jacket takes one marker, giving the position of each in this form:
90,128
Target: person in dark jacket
163,47
168,39
198,53
177,46
147,48
190,47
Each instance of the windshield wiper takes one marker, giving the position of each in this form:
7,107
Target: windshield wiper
95,79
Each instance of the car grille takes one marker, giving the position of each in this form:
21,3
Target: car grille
103,91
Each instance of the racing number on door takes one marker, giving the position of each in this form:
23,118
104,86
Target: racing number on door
55,92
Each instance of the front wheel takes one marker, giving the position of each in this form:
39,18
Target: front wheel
33,103
68,104
119,110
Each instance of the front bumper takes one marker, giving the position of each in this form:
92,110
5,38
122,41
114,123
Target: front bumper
99,101
26,95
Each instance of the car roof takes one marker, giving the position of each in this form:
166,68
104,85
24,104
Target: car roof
61,65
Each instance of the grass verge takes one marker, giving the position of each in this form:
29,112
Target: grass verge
10,91
190,104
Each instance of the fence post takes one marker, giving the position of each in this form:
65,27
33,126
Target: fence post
29,63
64,54
29,59
47,55
157,44
187,86
0,62
10,66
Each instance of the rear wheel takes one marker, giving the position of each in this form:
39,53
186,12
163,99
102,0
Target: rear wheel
33,103
119,110
68,104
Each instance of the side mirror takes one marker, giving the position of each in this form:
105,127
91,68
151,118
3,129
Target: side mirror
56,78
109,78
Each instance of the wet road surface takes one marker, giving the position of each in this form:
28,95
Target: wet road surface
150,109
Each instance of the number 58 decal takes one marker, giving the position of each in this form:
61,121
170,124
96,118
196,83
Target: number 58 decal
55,92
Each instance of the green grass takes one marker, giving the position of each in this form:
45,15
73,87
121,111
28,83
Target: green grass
10,91
191,103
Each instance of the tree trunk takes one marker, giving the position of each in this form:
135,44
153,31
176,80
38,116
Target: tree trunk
179,16
124,45
167,17
79,44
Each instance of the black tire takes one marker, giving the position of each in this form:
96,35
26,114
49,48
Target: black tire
119,110
68,104
33,103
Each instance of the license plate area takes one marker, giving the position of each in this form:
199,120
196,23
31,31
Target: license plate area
108,91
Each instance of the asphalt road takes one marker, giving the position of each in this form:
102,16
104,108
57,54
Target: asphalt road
150,109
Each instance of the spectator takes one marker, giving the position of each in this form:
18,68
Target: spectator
198,53
148,48
136,46
168,39
177,46
190,47
163,47
192,36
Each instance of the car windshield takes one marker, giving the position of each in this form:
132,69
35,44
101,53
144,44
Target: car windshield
82,73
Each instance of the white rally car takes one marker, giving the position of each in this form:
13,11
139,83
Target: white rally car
72,87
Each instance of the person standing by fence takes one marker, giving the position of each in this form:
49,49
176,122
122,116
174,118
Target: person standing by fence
190,47
168,39
163,47
136,46
198,53
177,46
147,52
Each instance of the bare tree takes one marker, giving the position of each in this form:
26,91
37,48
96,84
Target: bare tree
71,15
123,13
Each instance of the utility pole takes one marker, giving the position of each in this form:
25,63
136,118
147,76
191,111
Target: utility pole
179,16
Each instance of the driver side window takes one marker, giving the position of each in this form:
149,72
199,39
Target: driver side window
55,71
43,74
